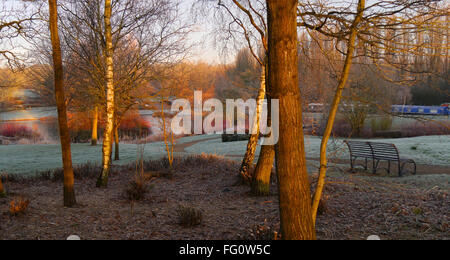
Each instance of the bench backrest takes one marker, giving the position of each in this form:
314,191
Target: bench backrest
384,151
360,149
378,151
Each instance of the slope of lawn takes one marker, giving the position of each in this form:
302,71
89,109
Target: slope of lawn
29,159
431,150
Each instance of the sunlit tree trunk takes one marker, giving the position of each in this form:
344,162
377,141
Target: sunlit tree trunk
108,135
334,109
94,138
263,171
294,188
69,192
116,142
249,157
168,137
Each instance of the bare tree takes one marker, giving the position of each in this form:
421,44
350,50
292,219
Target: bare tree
376,33
69,192
294,189
15,22
109,84
144,34
244,22
335,105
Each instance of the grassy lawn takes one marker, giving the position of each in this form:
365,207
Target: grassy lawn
29,159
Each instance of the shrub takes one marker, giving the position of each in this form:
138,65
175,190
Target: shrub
80,125
18,131
80,172
263,233
422,129
137,190
18,206
323,206
134,126
189,216
342,128
2,191
381,124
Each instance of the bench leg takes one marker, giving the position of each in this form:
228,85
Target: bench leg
389,167
351,163
403,166
375,166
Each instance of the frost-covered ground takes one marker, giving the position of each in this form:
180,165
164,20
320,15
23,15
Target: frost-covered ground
431,150
29,159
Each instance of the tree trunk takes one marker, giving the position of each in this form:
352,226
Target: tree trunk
2,191
334,109
116,142
69,193
247,163
294,187
169,149
263,171
94,138
108,135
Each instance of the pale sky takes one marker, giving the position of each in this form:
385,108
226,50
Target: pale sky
203,49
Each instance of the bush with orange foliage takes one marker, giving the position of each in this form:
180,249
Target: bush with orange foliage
132,125
79,121
18,206
133,121
80,126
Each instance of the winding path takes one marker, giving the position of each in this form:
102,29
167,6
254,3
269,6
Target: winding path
181,148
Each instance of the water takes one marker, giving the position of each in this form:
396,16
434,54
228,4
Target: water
40,120
43,121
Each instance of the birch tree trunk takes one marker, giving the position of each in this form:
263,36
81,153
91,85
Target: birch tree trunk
94,138
334,108
116,142
108,135
247,163
263,171
294,187
69,192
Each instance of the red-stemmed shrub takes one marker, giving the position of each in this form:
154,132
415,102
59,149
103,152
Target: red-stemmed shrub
14,130
132,121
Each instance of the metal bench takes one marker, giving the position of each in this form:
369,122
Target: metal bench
378,152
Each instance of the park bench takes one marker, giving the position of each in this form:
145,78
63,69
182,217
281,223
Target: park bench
378,152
